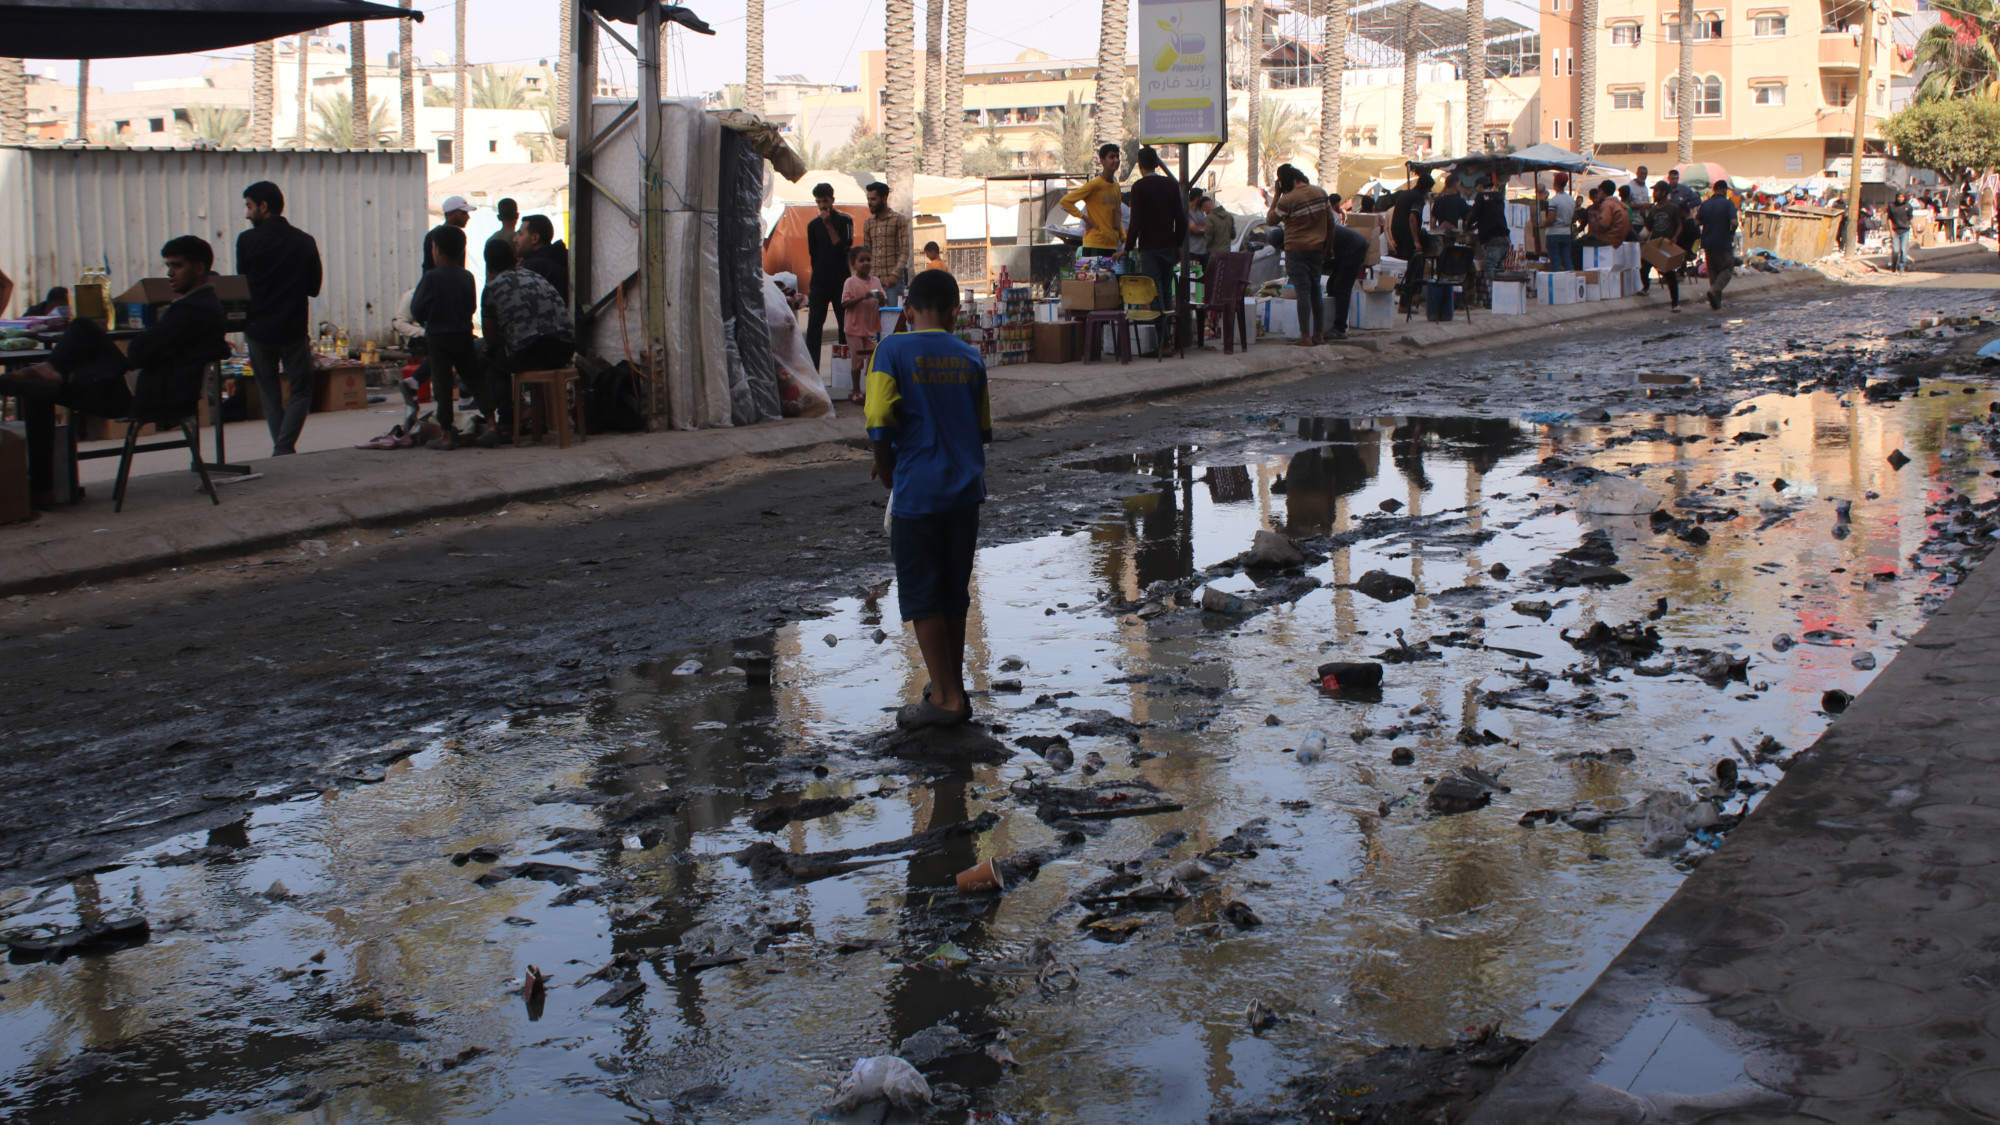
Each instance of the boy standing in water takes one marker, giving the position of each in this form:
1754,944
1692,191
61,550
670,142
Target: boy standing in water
928,419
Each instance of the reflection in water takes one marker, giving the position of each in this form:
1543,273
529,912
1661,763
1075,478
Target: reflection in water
1380,920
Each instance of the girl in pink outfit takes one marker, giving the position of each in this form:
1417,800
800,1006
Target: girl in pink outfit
861,300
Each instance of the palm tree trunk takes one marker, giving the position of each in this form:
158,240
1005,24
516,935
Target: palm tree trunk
1253,53
1475,76
901,134
666,54
83,100
1111,71
567,39
302,138
263,91
952,140
1586,80
13,102
753,68
933,86
1332,71
1685,99
458,82
406,78
1409,128
357,83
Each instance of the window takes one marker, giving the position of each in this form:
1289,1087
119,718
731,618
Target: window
156,124
1708,25
1707,97
1768,27
492,146
1624,35
1838,93
1628,99
1769,93
444,151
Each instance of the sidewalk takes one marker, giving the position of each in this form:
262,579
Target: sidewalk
167,521
1838,960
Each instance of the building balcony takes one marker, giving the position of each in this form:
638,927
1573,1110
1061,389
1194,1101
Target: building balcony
1840,122
1839,50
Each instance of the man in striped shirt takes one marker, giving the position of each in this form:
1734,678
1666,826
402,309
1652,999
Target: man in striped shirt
888,237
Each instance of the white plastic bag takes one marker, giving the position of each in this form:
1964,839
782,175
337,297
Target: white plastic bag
1616,496
837,370
884,1076
798,383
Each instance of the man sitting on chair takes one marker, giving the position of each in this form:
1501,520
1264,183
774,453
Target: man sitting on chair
157,378
527,328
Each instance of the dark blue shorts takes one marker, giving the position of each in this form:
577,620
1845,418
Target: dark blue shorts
934,562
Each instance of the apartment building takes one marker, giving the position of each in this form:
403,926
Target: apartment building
1776,90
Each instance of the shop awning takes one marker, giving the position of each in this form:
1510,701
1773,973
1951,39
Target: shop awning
122,29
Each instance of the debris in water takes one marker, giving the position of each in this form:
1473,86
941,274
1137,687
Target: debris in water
1898,459
1863,661
883,1078
1385,587
90,939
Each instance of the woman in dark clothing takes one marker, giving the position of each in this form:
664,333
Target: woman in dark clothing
1663,220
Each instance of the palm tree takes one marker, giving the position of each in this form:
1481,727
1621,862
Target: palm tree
299,136
814,155
493,88
1410,76
458,91
83,101
263,92
13,102
1253,53
1960,54
934,87
438,97
901,155
406,80
357,74
336,124
952,140
753,65
1070,130
1586,84
1475,76
215,126
1332,71
1282,131
991,158
1111,69
1683,87
567,37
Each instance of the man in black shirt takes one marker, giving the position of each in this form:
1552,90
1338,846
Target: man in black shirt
1406,217
457,213
1899,233
829,236
1451,207
539,251
157,377
1347,253
1489,223
281,263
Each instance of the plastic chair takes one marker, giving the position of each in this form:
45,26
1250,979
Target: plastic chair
1094,323
189,440
1227,281
1139,292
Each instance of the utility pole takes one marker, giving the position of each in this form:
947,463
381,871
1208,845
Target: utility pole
1860,104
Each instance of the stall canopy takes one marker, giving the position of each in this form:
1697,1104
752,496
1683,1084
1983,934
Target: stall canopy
1535,158
118,29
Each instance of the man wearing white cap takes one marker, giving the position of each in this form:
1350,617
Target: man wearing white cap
457,212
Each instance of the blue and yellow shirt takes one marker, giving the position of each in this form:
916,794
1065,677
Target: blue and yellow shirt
927,399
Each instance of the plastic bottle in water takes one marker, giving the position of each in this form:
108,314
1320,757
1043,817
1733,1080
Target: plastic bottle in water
1313,747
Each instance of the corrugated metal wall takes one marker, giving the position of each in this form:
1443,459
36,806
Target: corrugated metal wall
62,209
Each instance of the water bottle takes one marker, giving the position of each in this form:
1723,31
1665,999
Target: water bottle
1314,746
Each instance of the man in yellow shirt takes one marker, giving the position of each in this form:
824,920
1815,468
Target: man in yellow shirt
1103,230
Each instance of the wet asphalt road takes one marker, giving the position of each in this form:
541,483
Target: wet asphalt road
157,706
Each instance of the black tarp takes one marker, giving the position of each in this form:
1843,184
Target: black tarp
740,257
121,29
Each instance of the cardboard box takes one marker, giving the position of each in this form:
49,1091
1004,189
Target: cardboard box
1593,291
1371,311
1510,298
344,388
1089,296
1594,277
1061,342
1597,257
1663,255
14,506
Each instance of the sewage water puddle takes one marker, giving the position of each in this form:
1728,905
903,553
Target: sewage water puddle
358,954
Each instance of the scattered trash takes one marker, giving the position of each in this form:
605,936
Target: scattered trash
688,668
90,939
1616,496
1347,675
1458,795
1215,601
1260,1017
947,956
533,982
982,876
1313,747
1239,914
1898,459
883,1078
619,993
1270,550
1782,642
1863,661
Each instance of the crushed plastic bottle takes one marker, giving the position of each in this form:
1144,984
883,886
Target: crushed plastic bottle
1313,747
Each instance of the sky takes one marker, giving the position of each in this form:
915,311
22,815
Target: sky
821,39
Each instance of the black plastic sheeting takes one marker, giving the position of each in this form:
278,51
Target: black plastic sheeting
117,29
753,370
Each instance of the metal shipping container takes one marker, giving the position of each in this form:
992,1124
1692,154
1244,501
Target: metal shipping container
62,209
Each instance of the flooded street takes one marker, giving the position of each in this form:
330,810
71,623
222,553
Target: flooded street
736,884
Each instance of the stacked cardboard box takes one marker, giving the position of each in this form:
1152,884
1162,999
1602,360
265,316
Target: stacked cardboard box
1371,310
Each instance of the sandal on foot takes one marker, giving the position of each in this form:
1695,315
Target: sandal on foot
917,716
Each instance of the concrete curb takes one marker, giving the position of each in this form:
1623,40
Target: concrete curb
318,495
